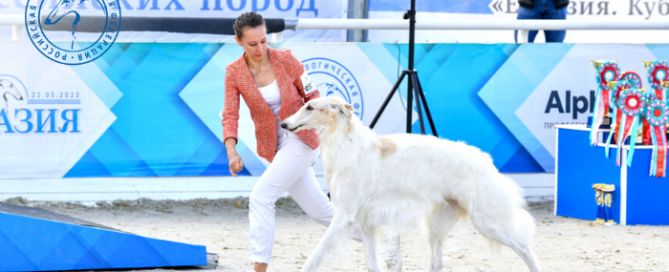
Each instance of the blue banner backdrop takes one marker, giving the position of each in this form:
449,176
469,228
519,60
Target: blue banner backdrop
157,105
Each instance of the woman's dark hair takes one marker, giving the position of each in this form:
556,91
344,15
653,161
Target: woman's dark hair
249,19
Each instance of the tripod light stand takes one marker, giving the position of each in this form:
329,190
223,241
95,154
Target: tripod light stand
414,87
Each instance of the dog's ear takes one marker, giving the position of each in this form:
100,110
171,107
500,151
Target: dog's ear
345,109
341,108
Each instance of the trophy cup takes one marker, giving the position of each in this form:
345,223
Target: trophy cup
607,189
604,200
599,198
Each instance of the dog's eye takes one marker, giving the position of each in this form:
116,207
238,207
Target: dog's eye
309,107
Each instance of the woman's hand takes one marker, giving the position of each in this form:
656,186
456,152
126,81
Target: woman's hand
236,164
235,161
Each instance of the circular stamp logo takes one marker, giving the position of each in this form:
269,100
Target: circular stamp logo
333,79
63,15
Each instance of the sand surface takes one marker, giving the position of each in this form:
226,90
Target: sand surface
562,244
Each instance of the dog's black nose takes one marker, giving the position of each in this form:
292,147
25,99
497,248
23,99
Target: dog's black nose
283,125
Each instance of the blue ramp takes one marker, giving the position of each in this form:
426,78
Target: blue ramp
36,244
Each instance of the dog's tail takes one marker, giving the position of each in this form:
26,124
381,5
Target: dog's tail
523,227
500,214
522,230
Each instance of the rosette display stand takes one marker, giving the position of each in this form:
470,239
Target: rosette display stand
639,198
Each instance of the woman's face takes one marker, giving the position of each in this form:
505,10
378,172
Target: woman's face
254,42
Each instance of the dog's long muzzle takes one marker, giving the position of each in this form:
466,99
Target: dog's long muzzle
285,126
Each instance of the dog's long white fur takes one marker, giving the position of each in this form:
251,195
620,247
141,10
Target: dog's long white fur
377,181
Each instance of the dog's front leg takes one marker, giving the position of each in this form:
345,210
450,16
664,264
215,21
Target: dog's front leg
341,229
369,243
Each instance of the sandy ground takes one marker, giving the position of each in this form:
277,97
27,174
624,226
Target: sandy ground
562,244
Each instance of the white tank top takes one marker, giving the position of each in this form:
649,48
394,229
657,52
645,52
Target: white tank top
272,96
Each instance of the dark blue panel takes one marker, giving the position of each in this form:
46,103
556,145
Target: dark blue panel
580,165
646,196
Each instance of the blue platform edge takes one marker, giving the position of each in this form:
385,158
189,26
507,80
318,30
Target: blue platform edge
31,244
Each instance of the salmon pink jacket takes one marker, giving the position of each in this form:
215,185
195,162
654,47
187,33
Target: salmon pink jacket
239,81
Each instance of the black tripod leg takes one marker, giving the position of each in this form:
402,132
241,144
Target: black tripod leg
414,75
390,96
427,110
409,102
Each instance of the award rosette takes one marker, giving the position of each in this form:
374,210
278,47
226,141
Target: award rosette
632,103
657,114
635,81
658,72
616,88
633,78
606,71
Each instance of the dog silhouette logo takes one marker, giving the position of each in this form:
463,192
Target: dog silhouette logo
13,97
332,78
63,15
10,90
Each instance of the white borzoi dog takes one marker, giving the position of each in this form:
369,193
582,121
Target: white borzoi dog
378,181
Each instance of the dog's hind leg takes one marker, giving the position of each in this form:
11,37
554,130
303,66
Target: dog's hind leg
439,223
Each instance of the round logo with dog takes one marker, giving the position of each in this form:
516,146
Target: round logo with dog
333,79
61,20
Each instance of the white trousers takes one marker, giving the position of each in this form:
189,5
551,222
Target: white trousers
291,170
